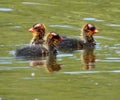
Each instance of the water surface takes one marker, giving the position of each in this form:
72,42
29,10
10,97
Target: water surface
73,78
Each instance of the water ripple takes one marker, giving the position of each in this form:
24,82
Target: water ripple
65,55
93,19
113,25
12,68
35,3
92,72
108,60
6,9
64,26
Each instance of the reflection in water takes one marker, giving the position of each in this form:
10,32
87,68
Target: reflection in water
50,63
88,57
37,63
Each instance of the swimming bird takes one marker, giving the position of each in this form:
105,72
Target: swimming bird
68,44
40,49
38,30
87,40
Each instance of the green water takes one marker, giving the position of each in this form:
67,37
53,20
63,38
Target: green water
21,81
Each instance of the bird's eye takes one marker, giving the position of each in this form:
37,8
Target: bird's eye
92,28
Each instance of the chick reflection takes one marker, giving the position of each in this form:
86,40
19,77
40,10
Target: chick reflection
38,63
50,63
88,58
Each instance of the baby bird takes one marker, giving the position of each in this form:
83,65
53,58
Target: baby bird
38,47
71,44
38,30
